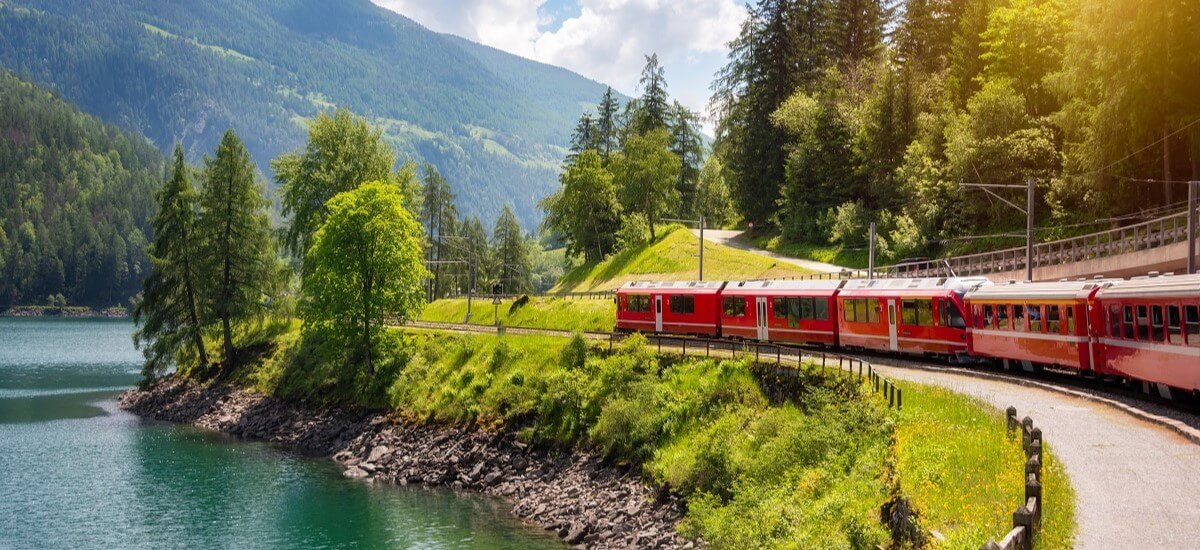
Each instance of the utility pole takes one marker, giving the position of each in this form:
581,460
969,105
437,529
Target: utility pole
701,247
871,254
1029,233
1030,189
1193,191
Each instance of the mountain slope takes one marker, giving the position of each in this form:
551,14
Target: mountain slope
76,196
496,125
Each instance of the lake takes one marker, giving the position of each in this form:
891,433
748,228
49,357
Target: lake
77,472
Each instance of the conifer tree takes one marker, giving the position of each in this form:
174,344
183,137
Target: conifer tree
241,262
608,124
513,268
653,108
688,145
168,312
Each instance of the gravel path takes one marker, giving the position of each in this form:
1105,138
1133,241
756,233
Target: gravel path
729,238
1137,483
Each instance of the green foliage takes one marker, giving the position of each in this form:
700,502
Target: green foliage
492,122
586,211
712,194
510,252
648,170
169,314
343,152
76,200
240,260
366,267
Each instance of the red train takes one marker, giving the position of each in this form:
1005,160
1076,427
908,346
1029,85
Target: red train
1145,329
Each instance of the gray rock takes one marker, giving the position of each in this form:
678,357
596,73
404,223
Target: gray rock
354,473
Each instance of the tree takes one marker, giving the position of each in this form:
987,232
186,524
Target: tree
241,263
440,217
646,171
343,152
367,267
653,108
510,255
478,254
607,124
688,145
712,194
857,28
168,313
586,211
586,136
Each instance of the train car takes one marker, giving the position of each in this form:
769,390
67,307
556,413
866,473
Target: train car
685,307
781,311
1038,324
1152,330
913,316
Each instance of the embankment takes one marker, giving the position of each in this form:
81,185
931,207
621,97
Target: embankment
584,500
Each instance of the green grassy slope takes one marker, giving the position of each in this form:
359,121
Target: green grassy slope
548,313
673,257
496,125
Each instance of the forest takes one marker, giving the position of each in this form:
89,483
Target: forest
845,112
75,202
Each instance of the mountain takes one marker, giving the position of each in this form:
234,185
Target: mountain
76,196
494,124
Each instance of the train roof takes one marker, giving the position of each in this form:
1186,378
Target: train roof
913,286
698,287
812,285
1058,290
1155,287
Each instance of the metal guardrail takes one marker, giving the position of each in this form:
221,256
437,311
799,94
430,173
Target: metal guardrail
1027,519
1155,233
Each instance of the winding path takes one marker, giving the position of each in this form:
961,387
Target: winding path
1137,483
730,239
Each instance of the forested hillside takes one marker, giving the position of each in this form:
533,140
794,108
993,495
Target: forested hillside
75,200
495,125
836,113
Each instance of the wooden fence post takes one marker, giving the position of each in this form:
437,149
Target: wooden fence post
1024,518
899,398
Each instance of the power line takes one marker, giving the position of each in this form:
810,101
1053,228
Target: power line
1138,152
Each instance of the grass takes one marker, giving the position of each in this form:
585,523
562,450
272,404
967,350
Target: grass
673,257
830,254
965,475
813,471
539,312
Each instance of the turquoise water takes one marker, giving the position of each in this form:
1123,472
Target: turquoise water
76,472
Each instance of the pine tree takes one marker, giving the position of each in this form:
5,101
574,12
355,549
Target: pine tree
856,29
168,312
688,145
608,125
241,263
439,215
585,136
513,268
654,109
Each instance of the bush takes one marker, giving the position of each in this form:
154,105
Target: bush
848,224
575,353
634,232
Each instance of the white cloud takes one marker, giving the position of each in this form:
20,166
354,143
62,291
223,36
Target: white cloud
605,40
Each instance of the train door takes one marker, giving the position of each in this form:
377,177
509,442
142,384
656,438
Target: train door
658,313
893,340
761,314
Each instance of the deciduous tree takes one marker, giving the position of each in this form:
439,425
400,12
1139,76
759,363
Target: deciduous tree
646,173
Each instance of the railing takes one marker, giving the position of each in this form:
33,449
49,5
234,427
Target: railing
1027,519
1163,231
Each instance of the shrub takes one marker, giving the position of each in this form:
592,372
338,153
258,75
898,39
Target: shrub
575,353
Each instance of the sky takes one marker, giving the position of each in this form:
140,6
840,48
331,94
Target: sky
605,40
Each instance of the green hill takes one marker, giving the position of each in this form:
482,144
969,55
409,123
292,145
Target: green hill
496,125
76,196
673,257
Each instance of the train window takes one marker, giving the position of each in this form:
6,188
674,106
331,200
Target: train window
1174,325
1019,323
1070,312
988,317
1035,318
1002,318
638,303
1191,325
951,316
779,308
872,310
1114,321
803,307
925,313
684,305
795,311
848,311
820,309
1156,324
1128,323
908,312
734,306
1143,323
1053,320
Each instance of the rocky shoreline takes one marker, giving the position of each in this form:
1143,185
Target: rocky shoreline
70,312
586,502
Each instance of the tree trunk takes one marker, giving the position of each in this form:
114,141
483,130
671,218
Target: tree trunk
228,335
366,298
193,317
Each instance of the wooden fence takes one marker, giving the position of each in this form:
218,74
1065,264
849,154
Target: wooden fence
1027,519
